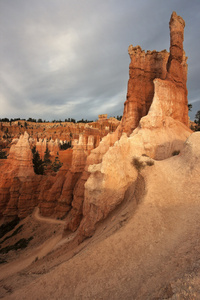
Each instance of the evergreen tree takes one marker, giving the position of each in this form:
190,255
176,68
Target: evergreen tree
38,164
47,160
3,154
197,118
56,165
189,106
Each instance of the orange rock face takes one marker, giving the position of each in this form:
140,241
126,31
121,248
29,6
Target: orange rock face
143,69
59,198
170,68
155,118
18,182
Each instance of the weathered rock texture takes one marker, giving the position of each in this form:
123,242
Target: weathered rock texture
98,172
145,251
18,182
157,105
58,197
64,131
170,72
104,191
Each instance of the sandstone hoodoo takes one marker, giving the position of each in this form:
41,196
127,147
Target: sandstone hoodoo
18,182
132,186
158,72
155,118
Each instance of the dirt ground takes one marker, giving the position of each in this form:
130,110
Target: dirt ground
148,248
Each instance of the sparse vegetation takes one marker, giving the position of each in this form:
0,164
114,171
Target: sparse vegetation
56,165
5,228
3,154
197,118
13,234
149,163
21,244
197,121
47,160
38,164
189,106
65,145
175,152
41,165
139,165
145,155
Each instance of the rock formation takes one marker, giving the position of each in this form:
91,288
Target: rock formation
58,197
53,147
143,69
98,172
157,105
148,250
18,183
162,73
64,131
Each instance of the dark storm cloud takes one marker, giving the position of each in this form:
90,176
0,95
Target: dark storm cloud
63,59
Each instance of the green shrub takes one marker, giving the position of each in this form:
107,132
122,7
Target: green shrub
3,154
21,244
66,145
149,163
137,164
56,165
4,228
38,164
175,152
13,234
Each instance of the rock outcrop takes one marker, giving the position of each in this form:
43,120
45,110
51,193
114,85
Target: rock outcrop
98,172
143,69
156,107
145,251
162,73
64,131
58,197
18,182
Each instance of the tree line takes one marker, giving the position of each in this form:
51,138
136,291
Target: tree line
71,120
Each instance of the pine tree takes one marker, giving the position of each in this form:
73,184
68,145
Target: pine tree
56,165
38,164
47,160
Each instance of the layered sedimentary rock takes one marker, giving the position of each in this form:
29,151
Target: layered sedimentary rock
57,199
170,72
157,105
18,182
98,172
95,157
64,131
143,69
53,147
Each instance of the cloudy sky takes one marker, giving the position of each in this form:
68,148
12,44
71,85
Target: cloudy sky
68,58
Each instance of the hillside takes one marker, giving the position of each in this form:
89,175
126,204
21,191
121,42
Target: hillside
146,249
